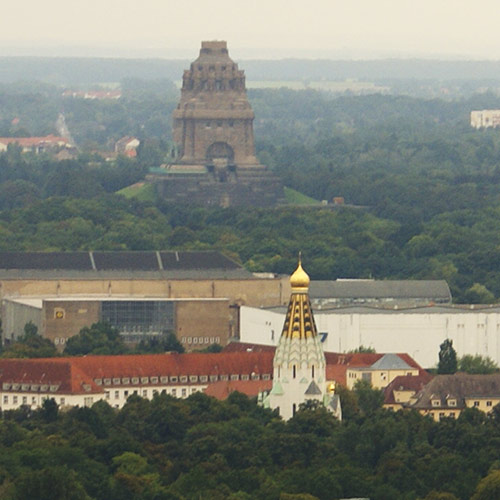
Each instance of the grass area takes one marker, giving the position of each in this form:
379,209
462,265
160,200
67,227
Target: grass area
297,198
141,190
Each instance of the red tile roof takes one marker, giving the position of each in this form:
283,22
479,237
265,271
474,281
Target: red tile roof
251,388
247,347
406,383
77,374
34,141
336,373
175,364
67,377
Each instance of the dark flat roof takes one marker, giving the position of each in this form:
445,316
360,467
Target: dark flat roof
148,264
377,289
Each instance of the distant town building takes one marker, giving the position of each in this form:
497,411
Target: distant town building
127,146
383,371
213,130
49,143
93,94
486,118
446,396
401,391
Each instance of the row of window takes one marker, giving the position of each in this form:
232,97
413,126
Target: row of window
453,402
174,379
218,123
25,400
200,340
6,386
443,415
145,393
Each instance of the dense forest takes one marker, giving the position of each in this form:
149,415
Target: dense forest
422,189
200,448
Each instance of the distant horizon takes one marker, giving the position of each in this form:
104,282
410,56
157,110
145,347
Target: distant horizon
55,50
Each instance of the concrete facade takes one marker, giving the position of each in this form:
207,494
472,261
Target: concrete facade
418,331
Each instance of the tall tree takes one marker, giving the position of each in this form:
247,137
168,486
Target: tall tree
447,358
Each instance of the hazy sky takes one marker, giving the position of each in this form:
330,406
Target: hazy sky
253,28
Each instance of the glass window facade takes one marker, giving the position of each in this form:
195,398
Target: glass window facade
136,319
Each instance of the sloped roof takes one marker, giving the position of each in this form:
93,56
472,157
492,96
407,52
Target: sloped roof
248,347
413,383
460,386
390,361
251,388
173,364
78,374
378,289
34,141
64,375
313,389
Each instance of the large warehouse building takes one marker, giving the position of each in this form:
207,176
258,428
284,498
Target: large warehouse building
196,295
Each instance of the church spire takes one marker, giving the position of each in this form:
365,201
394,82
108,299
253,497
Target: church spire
299,321
299,362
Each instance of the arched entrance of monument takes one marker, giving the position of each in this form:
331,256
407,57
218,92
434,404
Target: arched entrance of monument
220,151
220,159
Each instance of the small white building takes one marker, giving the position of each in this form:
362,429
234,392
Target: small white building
486,118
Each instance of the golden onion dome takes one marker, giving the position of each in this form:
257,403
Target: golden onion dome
299,279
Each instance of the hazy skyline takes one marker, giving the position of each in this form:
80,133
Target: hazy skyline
254,28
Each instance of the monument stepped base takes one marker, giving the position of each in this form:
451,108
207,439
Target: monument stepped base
252,186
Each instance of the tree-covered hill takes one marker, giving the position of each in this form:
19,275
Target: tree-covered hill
171,449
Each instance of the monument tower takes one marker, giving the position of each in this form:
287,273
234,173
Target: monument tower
213,131
213,122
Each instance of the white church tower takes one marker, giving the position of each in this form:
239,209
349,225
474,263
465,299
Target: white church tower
299,367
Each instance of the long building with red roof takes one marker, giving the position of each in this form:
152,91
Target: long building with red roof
36,144
82,381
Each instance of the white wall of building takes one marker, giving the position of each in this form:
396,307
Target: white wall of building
418,332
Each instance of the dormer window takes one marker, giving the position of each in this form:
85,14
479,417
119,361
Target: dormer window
435,402
451,400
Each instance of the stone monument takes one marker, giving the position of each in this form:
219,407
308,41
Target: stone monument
213,130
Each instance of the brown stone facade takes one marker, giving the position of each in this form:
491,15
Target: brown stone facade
213,122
